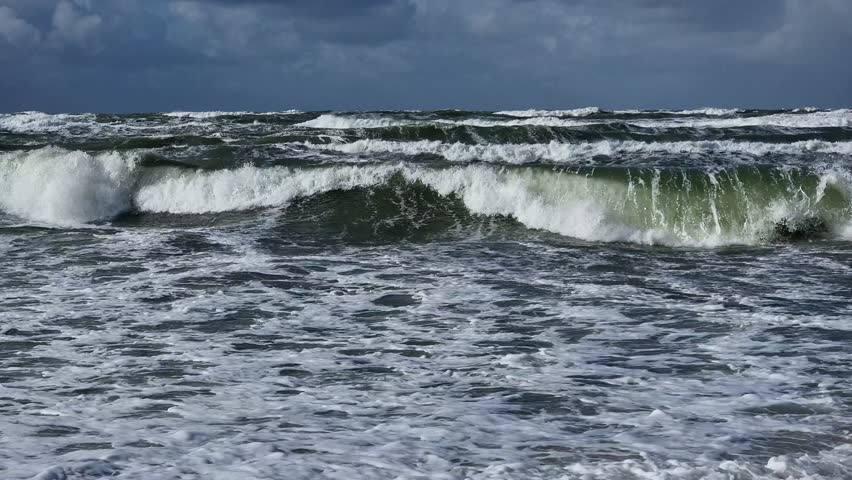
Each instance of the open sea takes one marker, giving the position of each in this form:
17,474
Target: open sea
574,294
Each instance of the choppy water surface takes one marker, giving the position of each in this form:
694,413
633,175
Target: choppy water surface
575,294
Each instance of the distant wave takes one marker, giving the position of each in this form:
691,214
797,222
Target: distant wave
834,118
332,121
586,111
77,124
202,115
708,111
579,152
817,119
577,112
24,122
215,114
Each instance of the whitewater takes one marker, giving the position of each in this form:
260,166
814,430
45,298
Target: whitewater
559,293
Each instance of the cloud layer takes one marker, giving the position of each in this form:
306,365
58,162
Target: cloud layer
146,55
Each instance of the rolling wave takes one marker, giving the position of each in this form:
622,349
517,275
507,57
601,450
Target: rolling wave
832,119
331,121
705,118
736,205
569,153
586,111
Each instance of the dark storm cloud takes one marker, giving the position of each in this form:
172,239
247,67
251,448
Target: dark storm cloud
265,54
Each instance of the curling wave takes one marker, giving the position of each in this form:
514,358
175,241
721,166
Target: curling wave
677,206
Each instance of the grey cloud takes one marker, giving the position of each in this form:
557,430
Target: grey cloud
70,25
16,31
425,53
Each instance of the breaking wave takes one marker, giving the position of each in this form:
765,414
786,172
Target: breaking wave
62,187
679,206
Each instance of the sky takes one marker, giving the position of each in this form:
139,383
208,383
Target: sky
267,55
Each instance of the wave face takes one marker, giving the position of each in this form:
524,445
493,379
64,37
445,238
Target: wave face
673,206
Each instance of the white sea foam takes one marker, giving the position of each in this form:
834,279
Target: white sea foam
826,465
576,112
190,392
578,152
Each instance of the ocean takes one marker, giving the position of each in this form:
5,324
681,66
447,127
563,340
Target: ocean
540,294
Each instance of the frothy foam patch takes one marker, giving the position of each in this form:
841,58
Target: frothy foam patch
826,465
567,153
